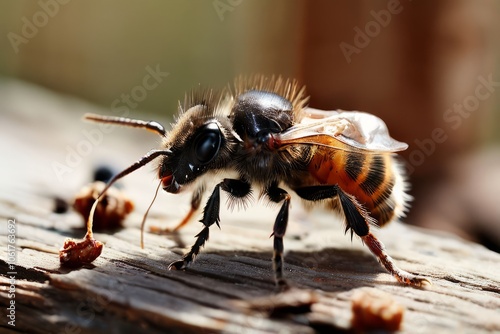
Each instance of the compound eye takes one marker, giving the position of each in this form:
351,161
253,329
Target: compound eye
207,143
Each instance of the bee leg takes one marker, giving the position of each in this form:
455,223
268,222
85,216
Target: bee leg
358,220
378,249
195,205
317,193
235,188
210,216
277,195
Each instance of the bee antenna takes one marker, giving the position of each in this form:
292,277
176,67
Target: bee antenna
150,156
134,123
146,215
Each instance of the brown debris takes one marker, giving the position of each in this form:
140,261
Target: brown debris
112,209
375,310
77,253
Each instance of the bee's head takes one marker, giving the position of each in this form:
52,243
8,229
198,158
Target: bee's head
200,141
192,157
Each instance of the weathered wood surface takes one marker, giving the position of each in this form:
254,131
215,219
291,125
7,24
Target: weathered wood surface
129,289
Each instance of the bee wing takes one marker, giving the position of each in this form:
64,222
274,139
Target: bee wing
358,130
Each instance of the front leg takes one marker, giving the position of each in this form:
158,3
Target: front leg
195,205
236,189
277,195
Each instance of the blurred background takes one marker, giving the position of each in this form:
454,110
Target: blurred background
428,68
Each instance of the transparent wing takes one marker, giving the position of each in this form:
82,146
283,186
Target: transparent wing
358,130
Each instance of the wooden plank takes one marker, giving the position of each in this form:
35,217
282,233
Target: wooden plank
129,289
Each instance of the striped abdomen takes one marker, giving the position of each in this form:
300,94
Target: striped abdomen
373,179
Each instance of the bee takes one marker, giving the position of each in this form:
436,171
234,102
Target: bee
260,136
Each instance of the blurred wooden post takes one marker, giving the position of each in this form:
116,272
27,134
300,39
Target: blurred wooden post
408,62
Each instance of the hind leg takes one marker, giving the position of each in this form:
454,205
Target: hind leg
358,221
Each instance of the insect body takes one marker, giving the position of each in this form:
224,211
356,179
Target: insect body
262,134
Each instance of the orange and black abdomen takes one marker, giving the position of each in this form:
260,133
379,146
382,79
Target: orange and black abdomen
366,176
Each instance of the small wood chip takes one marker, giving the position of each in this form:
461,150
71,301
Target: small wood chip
375,310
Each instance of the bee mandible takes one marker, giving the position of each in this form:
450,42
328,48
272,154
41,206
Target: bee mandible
260,136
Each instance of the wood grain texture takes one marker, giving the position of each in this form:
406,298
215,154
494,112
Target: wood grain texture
129,289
